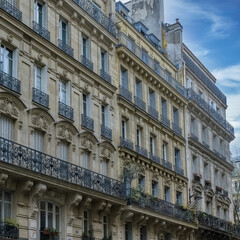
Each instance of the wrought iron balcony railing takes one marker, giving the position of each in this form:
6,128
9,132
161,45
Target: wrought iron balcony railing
97,15
105,76
157,205
8,231
40,97
165,121
106,132
87,63
141,151
210,111
166,164
27,158
194,136
152,112
205,144
137,51
87,122
177,129
65,111
65,48
155,158
46,236
10,82
125,93
140,103
41,30
179,170
10,9
126,143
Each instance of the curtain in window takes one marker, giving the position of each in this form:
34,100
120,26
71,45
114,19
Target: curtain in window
6,127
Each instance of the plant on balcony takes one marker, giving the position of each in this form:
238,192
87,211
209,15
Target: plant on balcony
184,207
89,234
108,238
51,232
11,222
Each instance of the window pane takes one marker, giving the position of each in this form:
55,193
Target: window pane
42,220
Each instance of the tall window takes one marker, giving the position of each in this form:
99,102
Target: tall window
63,31
104,167
85,221
216,176
204,134
130,44
189,82
6,60
5,205
86,47
138,89
143,233
128,231
193,126
215,142
105,226
152,145
124,129
177,154
104,60
64,151
218,212
164,151
86,105
167,193
64,92
155,188
175,116
195,164
6,127
105,116
209,207
144,56
179,197
164,107
40,78
38,140
138,137
39,16
152,98
85,157
141,183
206,172
124,78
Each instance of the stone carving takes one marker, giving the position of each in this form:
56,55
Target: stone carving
25,186
39,121
73,201
65,132
8,107
3,178
87,142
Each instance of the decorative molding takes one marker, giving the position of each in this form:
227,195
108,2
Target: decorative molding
3,178
73,201
8,106
26,186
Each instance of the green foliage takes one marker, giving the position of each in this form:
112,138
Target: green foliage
11,222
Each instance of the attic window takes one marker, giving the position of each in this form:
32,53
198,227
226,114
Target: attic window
123,13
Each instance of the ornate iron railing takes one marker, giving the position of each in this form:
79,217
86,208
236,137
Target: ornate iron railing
165,121
153,112
10,9
126,143
44,236
140,103
141,151
10,82
87,122
106,132
155,158
166,164
41,30
40,97
125,93
65,47
87,63
97,15
218,224
179,170
105,76
65,111
8,231
177,129
194,136
137,51
210,111
27,158
157,205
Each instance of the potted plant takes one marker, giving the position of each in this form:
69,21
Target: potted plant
89,234
51,232
11,222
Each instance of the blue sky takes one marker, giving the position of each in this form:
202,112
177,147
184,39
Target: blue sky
211,29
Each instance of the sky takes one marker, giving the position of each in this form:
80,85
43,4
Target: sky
211,30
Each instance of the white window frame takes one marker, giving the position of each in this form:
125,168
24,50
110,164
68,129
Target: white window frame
64,86
38,141
85,160
64,150
88,103
61,22
7,127
2,205
43,78
104,60
124,77
87,47
124,129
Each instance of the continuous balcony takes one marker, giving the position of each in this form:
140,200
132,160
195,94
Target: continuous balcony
87,63
167,164
179,170
159,206
65,48
155,158
141,151
153,112
41,31
10,82
106,132
8,231
65,111
105,76
205,144
97,15
210,111
126,143
126,94
10,9
177,129
140,103
138,52
26,158
165,121
40,97
87,122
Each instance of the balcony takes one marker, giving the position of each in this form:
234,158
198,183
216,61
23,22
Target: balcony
87,63
205,144
10,9
40,97
167,164
26,158
125,143
65,111
155,158
8,231
141,151
193,136
10,82
151,63
41,31
140,103
177,129
179,170
152,112
158,205
105,76
97,15
165,121
87,122
106,132
210,111
126,94
65,48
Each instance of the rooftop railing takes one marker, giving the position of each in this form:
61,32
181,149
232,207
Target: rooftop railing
41,31
40,97
10,9
10,82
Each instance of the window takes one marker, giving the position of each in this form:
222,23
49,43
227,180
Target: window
164,151
6,127
212,104
195,164
130,44
164,107
40,78
209,207
124,129
144,56
128,231
141,183
64,92
215,142
179,197
193,126
38,140
167,194
86,47
104,167
204,135
138,89
189,82
216,176
152,145
6,60
105,116
175,116
143,233
63,31
49,217
5,205
154,188
124,78
39,13
201,94
104,60
206,171
12,2
85,157
222,148
86,105
218,212
105,226
225,214
138,137
85,221
152,98
64,149
177,158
